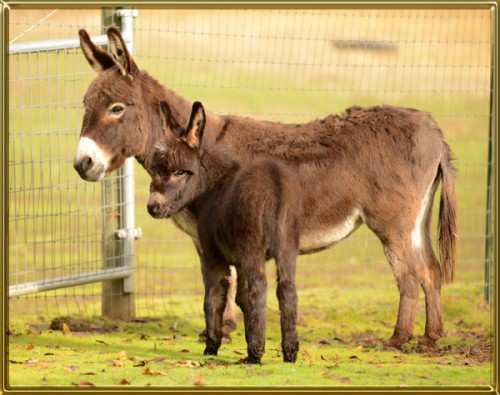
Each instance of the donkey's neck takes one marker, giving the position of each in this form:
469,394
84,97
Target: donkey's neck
152,94
217,166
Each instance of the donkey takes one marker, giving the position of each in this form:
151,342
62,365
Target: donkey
246,215
380,166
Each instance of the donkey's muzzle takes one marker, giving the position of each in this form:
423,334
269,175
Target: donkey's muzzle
157,210
90,160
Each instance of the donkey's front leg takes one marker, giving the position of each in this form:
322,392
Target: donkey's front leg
216,287
229,316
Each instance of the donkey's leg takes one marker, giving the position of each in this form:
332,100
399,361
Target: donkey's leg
216,287
402,260
229,317
432,280
287,298
431,275
251,295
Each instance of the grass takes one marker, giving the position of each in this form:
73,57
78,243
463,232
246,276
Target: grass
340,347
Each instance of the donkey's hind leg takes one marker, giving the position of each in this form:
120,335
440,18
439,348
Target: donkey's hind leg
430,272
287,298
229,316
432,280
403,262
251,294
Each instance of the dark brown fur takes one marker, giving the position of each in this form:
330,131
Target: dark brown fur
372,165
245,215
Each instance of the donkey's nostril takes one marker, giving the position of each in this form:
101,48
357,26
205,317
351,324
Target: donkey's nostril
87,163
154,209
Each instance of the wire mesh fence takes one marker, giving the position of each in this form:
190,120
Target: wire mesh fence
283,65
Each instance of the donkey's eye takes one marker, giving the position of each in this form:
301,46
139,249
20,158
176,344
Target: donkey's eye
180,173
117,109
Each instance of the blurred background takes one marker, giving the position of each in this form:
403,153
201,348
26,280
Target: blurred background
283,65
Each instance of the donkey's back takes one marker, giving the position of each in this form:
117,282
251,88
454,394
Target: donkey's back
259,209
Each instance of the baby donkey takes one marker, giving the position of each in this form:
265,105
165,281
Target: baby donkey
247,214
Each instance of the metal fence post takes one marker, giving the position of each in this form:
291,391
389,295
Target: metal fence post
489,245
118,301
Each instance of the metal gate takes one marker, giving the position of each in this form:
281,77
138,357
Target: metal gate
62,231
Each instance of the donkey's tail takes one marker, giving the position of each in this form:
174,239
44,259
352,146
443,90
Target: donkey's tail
447,223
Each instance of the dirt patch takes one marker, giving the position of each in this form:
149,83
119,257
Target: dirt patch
481,352
69,325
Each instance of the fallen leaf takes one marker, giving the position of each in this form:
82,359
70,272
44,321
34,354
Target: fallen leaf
70,368
158,359
31,362
89,373
354,357
84,384
306,353
325,359
123,356
65,328
238,352
241,360
189,364
444,362
42,365
150,372
124,382
199,380
110,362
184,350
30,347
102,342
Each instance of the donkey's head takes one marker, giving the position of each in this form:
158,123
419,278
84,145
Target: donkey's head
174,164
114,114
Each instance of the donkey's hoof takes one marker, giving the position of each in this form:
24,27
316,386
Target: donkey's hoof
426,344
290,352
202,337
396,342
228,326
254,360
211,350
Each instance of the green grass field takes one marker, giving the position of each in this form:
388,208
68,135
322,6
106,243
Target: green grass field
292,74
340,347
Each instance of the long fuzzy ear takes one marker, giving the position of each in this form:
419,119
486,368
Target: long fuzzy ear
98,59
120,53
196,126
168,122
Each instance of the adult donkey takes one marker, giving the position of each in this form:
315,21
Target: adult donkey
380,166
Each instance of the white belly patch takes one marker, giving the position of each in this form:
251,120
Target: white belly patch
327,237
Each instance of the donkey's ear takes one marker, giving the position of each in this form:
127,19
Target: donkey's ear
120,53
97,57
168,122
196,126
